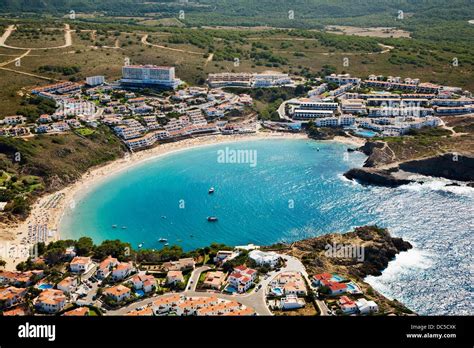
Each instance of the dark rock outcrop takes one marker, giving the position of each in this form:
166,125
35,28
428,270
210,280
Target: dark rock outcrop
449,166
373,176
379,249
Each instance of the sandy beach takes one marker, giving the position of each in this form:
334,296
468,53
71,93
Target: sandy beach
49,209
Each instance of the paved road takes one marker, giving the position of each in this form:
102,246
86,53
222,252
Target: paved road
254,299
193,280
281,109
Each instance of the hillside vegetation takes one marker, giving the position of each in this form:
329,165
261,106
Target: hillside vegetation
31,167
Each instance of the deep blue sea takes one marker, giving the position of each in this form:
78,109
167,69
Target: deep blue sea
294,190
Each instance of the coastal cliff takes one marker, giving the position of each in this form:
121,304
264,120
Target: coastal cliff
449,166
377,248
443,152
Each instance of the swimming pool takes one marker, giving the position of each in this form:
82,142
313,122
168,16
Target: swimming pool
139,293
230,289
337,278
45,286
277,291
353,288
366,133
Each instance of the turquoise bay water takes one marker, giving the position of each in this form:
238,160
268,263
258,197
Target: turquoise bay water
295,191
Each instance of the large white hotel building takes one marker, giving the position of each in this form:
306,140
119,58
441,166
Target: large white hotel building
149,75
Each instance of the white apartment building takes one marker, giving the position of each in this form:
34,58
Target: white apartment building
95,80
342,79
80,264
271,80
153,75
316,105
399,111
353,106
304,114
13,120
269,258
326,122
229,79
341,90
346,120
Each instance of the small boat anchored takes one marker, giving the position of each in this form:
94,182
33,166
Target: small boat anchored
140,245
114,226
211,190
162,240
124,227
212,218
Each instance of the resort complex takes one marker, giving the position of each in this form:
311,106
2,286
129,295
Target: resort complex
376,106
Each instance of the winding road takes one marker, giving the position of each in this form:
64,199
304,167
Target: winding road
6,35
11,28
145,42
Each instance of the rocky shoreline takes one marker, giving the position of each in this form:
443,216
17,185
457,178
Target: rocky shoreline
379,248
382,169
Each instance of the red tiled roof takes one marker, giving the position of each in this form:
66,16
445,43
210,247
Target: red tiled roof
333,286
323,276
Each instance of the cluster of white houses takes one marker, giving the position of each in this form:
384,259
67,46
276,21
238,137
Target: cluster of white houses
249,80
140,122
382,111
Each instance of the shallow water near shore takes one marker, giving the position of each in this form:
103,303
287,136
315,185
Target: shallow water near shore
296,190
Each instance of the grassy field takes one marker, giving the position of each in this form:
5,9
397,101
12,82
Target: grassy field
29,36
101,48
